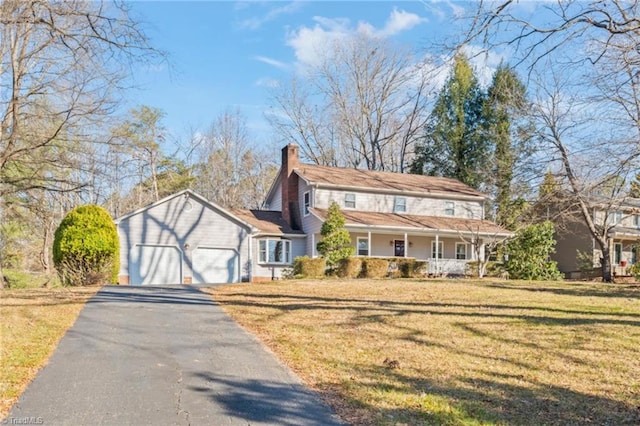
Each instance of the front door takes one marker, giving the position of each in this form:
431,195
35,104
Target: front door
398,248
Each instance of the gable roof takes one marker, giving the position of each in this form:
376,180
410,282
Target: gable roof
384,181
266,221
191,194
436,223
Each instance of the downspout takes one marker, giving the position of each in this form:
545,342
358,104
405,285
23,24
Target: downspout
250,269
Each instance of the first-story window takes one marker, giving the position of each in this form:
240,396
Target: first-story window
461,251
440,249
617,253
636,220
363,247
275,251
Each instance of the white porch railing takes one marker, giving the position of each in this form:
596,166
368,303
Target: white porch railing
439,267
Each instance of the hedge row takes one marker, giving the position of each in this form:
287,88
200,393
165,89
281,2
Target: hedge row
356,267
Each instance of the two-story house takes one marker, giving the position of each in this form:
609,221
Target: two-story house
620,223
187,239
387,214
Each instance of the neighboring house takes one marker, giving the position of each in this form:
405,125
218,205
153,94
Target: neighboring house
623,229
186,239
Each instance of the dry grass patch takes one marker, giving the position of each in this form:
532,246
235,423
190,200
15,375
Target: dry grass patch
455,352
32,323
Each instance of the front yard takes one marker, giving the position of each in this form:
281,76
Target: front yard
32,321
454,352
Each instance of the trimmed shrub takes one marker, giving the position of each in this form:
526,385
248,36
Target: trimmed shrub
307,267
375,268
492,270
635,271
86,249
350,267
336,241
411,268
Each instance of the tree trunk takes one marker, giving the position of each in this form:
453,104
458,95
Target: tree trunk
605,263
1,278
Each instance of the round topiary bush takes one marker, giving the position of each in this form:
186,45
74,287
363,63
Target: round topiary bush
86,249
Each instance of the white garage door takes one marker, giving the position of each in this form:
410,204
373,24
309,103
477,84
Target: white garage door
215,265
156,265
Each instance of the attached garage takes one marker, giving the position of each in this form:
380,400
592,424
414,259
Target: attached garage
156,265
183,239
215,265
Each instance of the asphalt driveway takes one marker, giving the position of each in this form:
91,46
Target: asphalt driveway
164,356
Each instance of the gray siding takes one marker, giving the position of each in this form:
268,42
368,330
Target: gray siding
375,202
274,202
185,223
268,271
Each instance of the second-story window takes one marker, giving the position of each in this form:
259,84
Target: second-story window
400,205
636,220
449,208
350,200
615,218
307,202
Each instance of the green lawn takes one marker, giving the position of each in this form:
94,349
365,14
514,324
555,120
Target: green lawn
454,352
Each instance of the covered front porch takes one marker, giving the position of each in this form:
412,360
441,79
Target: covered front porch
445,253
625,251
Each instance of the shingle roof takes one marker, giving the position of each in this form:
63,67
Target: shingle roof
419,222
356,178
267,221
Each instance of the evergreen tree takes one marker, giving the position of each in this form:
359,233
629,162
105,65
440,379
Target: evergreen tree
529,253
454,144
505,106
336,242
635,187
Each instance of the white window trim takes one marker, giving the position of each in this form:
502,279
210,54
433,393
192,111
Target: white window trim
358,247
396,204
636,220
306,205
354,200
449,205
466,251
440,249
267,261
615,251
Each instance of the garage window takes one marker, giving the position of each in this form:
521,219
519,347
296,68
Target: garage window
275,251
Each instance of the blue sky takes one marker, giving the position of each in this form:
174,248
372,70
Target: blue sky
226,54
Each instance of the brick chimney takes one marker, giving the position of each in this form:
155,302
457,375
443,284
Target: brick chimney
290,198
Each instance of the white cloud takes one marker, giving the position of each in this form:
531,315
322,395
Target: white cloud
485,63
270,83
257,21
399,21
273,62
311,43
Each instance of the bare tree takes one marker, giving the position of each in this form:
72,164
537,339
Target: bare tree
363,105
231,172
594,170
588,120
61,65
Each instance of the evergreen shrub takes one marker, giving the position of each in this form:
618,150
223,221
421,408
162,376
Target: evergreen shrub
86,249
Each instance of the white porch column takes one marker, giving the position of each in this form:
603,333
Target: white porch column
437,254
406,244
313,245
368,243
